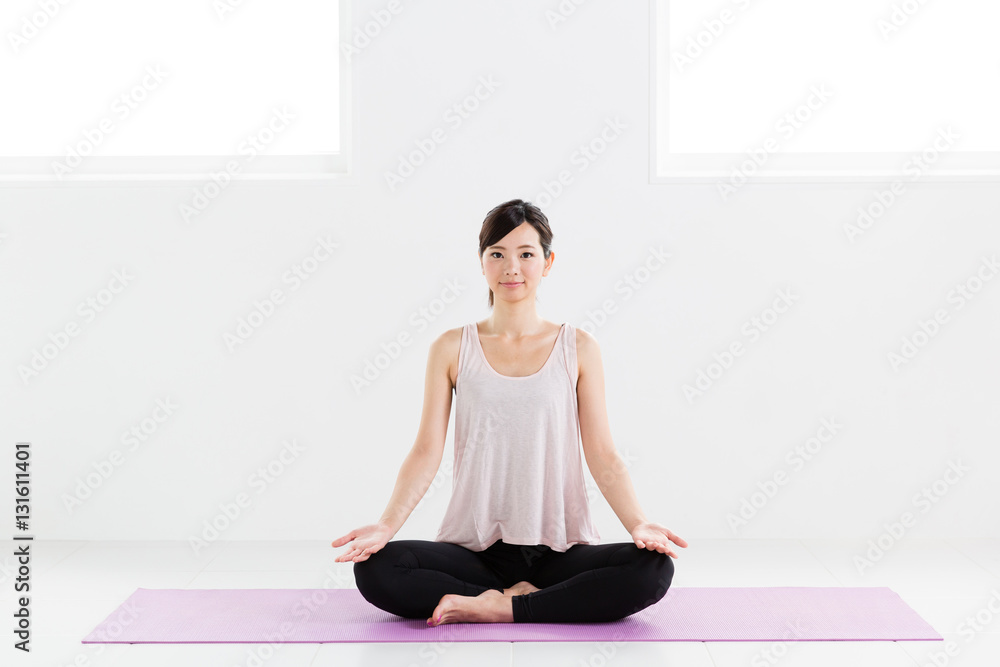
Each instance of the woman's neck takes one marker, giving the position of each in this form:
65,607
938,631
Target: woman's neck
511,323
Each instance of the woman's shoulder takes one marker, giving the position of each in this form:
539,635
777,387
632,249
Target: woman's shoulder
445,350
584,339
454,332
449,339
588,352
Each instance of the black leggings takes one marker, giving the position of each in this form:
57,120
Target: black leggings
585,583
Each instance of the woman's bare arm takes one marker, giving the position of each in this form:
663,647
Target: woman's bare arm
605,463
415,476
419,467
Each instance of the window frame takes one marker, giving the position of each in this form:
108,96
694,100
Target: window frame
876,167
336,167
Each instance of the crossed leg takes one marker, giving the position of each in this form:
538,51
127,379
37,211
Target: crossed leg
594,583
409,577
447,583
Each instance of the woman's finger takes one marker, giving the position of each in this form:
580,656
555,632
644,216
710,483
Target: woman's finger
343,539
677,539
353,553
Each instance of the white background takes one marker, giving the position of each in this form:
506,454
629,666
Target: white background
692,463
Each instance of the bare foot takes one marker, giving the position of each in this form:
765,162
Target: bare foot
520,588
490,606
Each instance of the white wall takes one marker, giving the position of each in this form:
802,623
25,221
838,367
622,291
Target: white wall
693,462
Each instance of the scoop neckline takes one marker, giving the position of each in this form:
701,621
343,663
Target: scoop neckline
482,354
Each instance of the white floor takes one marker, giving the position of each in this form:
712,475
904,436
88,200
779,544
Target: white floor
76,585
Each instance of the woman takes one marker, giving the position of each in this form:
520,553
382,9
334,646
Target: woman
517,543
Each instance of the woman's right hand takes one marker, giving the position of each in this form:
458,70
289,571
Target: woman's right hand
366,540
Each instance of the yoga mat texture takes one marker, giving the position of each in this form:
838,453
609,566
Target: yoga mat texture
267,615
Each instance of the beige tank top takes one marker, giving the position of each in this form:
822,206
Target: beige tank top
518,470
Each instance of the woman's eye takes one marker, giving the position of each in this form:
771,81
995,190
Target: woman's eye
526,252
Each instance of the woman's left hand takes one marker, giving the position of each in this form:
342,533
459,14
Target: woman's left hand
655,537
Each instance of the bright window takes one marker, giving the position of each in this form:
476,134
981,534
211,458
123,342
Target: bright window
118,88
820,91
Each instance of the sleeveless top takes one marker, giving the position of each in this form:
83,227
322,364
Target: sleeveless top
518,470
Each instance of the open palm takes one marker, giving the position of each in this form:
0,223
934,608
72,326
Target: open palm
364,542
653,536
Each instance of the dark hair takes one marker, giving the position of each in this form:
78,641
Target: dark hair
503,218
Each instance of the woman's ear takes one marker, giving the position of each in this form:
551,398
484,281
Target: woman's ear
548,262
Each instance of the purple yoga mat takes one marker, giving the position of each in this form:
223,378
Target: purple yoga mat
268,615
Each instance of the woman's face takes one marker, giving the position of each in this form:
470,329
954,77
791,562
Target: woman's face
516,258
